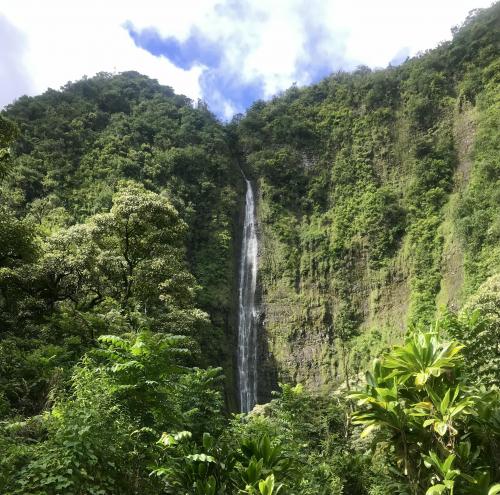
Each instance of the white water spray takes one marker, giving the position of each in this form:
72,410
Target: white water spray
247,327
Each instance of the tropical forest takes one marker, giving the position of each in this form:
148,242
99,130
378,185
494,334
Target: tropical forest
303,300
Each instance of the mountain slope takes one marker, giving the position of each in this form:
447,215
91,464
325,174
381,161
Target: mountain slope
378,202
378,199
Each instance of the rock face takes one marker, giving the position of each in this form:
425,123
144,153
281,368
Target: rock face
299,342
299,335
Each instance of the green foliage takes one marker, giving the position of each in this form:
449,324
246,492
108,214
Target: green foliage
298,443
217,469
77,149
357,175
442,432
120,271
478,216
314,435
194,473
8,133
478,326
101,437
18,241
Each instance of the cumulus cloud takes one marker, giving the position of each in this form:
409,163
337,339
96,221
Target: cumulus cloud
251,49
228,52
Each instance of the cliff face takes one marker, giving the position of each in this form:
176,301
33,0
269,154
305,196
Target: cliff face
370,190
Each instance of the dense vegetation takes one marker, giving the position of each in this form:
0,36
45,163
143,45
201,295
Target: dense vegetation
378,202
126,196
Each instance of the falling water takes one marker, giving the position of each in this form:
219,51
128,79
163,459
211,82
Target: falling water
247,331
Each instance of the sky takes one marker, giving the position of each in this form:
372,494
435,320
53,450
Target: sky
227,52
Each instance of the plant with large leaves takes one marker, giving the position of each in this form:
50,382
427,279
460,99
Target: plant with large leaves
250,467
416,400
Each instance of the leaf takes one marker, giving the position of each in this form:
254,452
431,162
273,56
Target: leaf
386,394
436,489
208,441
421,379
368,430
265,447
440,427
127,366
170,440
370,379
494,489
211,485
162,471
202,469
183,435
448,462
266,487
449,484
445,402
167,439
201,458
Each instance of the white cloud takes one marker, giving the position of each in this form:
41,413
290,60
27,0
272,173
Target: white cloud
377,30
263,40
66,40
276,38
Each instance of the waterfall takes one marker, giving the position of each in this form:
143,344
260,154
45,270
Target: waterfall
247,328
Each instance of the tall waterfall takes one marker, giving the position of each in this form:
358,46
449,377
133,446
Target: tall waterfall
247,328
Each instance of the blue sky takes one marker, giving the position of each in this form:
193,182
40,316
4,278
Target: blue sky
226,52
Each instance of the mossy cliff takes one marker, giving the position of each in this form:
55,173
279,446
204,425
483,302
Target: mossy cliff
378,203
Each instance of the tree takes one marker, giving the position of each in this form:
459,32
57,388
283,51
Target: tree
8,133
478,326
119,272
123,268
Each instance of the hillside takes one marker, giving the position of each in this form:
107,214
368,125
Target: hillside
378,203
75,147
